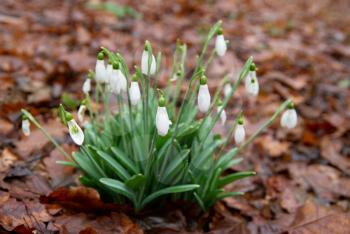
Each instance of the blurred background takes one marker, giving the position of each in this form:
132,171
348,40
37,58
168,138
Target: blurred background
301,49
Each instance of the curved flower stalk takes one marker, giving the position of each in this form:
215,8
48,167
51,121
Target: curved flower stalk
251,81
25,125
220,43
239,131
162,119
145,63
289,118
203,95
100,69
175,76
134,91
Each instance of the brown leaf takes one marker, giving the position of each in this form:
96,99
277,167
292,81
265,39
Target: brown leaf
272,147
330,150
15,213
7,159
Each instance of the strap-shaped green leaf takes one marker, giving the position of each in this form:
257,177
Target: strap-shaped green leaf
118,169
124,160
173,189
136,181
233,177
119,187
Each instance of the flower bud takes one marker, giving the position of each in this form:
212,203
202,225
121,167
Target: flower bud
239,132
87,86
289,118
25,126
203,96
223,115
134,91
227,89
251,83
162,120
81,113
220,44
100,69
144,62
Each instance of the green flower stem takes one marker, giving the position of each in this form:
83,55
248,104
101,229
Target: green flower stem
53,141
91,114
265,125
180,80
106,101
210,59
97,99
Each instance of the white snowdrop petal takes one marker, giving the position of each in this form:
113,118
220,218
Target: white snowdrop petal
26,127
252,84
109,72
162,121
227,89
122,81
223,116
81,113
239,133
144,63
100,71
134,93
114,82
203,98
75,132
87,86
289,119
220,45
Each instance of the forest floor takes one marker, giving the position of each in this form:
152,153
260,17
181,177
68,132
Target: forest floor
301,49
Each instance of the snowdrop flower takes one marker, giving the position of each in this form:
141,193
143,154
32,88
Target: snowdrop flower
118,82
162,120
220,44
239,131
87,86
134,91
81,111
100,69
251,82
109,71
25,125
144,61
289,118
223,115
75,131
203,95
227,89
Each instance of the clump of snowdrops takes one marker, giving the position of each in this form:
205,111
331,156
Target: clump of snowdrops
150,147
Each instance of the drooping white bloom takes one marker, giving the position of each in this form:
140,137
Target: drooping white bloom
227,89
26,127
239,133
220,45
203,98
87,86
289,118
109,71
134,93
223,115
144,63
162,121
81,113
117,82
101,72
252,84
75,132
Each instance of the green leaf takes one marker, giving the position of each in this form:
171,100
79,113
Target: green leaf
233,177
124,160
118,169
226,158
199,200
136,181
169,190
119,187
66,163
228,194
